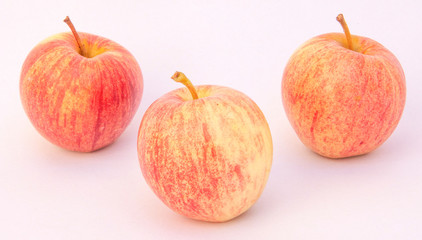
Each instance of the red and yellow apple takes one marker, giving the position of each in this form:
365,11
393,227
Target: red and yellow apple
80,91
343,94
205,151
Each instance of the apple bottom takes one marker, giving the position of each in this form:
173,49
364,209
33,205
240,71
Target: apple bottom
81,119
207,159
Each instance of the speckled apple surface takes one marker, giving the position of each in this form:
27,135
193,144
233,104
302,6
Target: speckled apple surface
76,102
207,159
49,193
343,102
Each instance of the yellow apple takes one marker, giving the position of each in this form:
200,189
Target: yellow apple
206,152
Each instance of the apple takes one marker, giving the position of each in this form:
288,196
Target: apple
343,94
80,91
206,152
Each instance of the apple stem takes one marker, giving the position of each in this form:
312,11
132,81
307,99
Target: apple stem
340,19
180,77
76,35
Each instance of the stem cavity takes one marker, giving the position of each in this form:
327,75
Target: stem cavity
180,77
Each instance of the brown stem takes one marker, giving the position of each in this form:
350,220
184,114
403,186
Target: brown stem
340,19
76,35
180,77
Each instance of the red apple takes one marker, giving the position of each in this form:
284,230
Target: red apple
343,94
206,153
80,93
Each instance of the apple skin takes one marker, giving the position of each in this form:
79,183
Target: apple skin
340,102
76,102
207,159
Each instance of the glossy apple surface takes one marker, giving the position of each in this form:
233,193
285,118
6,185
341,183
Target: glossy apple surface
343,102
81,103
208,159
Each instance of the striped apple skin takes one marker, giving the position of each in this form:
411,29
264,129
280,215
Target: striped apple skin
76,102
207,159
340,102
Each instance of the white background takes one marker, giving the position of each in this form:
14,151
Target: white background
50,193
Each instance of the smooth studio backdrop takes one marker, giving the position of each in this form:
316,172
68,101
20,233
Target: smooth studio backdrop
50,193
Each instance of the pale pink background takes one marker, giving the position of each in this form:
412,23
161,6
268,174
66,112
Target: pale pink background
50,193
